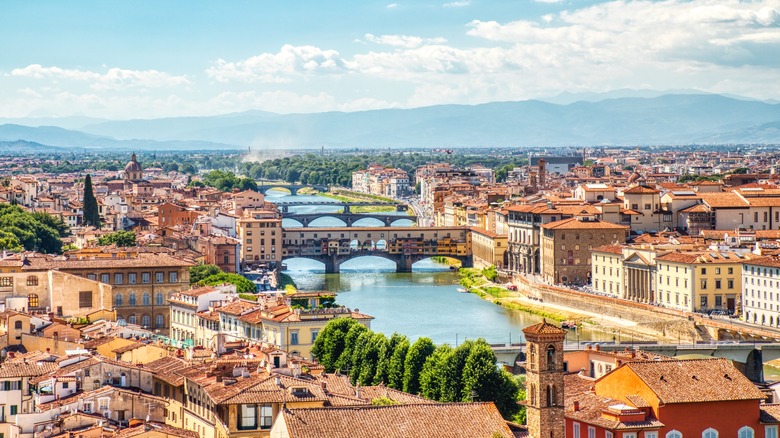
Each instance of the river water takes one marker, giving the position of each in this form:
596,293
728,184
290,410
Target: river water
422,303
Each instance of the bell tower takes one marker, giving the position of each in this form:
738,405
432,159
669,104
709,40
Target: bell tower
544,380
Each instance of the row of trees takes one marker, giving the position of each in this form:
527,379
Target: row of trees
337,169
466,373
225,181
21,230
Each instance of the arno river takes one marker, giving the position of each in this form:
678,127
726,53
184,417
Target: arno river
422,303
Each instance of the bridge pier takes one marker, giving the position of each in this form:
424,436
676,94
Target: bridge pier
346,208
285,209
331,265
293,191
404,264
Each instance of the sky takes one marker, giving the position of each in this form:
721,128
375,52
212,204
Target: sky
125,59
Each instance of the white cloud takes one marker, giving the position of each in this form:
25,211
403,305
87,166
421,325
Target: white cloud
457,4
278,67
405,41
392,6
112,79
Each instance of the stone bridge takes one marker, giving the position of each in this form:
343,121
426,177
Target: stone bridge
346,206
263,186
402,245
348,218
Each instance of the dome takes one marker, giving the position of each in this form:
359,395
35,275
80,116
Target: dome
634,177
133,170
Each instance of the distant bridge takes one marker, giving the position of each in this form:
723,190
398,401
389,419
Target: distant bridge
263,186
402,245
348,218
285,205
749,358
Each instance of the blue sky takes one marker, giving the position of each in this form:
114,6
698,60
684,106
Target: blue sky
143,59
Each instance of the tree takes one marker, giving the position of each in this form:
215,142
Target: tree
372,353
432,380
243,285
200,271
34,232
415,359
118,238
482,381
356,362
90,208
330,342
344,361
453,372
385,356
8,241
395,369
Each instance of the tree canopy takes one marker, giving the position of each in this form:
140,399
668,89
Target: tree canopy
243,285
118,238
90,208
21,230
466,373
227,181
201,271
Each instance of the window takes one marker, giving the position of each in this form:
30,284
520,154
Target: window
103,403
704,284
293,338
146,299
118,278
746,432
709,433
591,432
118,300
85,299
160,299
717,271
608,434
673,434
131,300
651,434
575,430
266,416
145,277
173,277
718,301
32,300
703,271
32,280
132,319
104,278
6,281
314,334
730,284
146,320
717,284
159,277
247,417
770,432
18,325
629,435
131,278
15,410
159,321
703,302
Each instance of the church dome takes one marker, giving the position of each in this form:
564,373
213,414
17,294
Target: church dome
133,170
634,177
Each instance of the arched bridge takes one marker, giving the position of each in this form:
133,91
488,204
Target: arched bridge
348,218
403,245
263,186
285,205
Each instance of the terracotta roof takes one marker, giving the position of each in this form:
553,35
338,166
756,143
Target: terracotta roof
707,257
769,262
544,328
466,420
155,429
575,224
770,413
165,369
697,208
643,190
723,200
695,381
612,249
26,369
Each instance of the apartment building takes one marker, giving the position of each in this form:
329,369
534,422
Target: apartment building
260,233
761,291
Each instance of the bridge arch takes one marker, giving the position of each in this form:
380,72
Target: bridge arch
291,222
368,222
397,222
304,263
360,263
280,188
317,222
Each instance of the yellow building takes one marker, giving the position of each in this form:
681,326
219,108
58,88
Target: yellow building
260,232
489,248
700,281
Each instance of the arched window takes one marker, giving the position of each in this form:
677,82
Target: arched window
132,319
159,321
160,299
131,300
32,280
533,356
673,434
532,393
146,320
550,357
118,300
551,393
146,299
746,432
709,433
32,301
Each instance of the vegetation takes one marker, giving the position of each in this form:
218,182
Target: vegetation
243,285
118,238
249,297
468,372
287,283
200,271
21,230
698,178
91,212
227,181
490,273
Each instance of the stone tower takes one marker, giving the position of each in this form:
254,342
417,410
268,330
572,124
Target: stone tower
544,380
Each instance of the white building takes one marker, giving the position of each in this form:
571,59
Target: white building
761,291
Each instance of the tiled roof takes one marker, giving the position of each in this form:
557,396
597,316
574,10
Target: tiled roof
708,257
165,369
544,328
770,413
723,200
612,249
465,420
769,262
575,224
641,190
697,380
26,369
151,428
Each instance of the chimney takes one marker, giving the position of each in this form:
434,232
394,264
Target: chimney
324,386
576,406
357,391
278,381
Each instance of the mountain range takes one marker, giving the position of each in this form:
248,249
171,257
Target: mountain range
566,120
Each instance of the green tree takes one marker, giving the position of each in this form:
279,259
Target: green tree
90,208
415,359
372,354
243,285
30,232
356,362
395,369
118,238
483,381
453,372
432,380
330,342
200,271
344,361
490,273
9,241
385,356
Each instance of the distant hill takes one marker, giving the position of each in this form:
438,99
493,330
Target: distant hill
66,138
21,147
592,120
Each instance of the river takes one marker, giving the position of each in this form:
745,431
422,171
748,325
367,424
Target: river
422,303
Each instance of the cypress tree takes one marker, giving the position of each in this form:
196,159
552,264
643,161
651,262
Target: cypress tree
91,214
